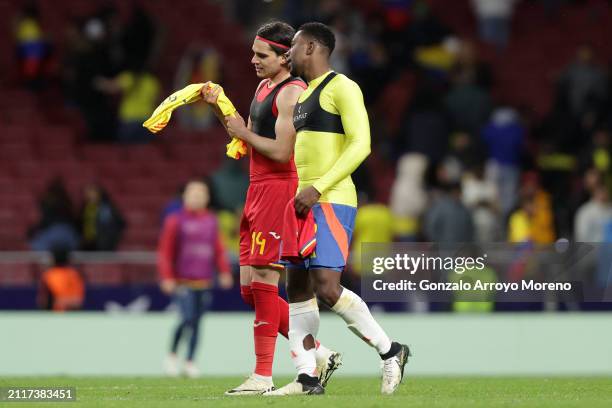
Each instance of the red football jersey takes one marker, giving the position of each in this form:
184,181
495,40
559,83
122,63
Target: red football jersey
263,114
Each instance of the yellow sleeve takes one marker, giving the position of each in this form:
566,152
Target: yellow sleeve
349,102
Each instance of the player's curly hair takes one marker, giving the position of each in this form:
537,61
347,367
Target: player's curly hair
278,32
320,33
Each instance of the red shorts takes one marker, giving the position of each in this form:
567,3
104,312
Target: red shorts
262,221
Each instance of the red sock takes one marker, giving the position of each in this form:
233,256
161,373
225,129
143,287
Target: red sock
266,326
247,295
283,322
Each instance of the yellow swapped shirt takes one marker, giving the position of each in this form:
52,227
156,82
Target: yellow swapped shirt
333,137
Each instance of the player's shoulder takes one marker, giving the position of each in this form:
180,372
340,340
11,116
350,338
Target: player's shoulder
172,220
344,82
343,88
294,84
297,81
292,89
261,84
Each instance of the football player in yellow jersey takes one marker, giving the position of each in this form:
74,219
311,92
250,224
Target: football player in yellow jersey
333,138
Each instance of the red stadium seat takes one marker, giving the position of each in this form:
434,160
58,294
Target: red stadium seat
102,274
16,274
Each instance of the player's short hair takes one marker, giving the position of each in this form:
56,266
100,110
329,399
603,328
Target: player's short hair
277,32
320,33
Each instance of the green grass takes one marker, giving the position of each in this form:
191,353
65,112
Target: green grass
350,392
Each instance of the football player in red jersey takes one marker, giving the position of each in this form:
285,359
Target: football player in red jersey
273,182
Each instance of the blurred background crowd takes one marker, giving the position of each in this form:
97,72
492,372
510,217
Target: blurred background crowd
490,122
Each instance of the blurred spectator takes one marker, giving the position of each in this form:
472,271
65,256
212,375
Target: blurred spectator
424,29
592,217
477,189
369,58
174,205
519,224
473,301
583,84
189,255
481,197
487,224
90,57
374,223
56,225
139,91
533,220
229,226
504,136
426,127
464,154
229,185
469,68
447,219
597,154
439,58
61,287
542,220
494,20
101,222
469,105
33,49
408,195
339,60
139,39
198,64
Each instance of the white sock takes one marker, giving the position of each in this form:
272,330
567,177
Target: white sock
321,352
303,320
360,321
263,378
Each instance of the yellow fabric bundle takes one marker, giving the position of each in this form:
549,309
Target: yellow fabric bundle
191,93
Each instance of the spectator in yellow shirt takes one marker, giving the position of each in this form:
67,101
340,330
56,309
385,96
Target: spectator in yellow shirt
139,91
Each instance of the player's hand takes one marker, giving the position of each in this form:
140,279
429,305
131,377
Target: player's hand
226,280
236,127
210,93
305,200
168,286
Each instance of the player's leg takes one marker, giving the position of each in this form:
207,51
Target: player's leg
354,311
257,295
255,384
195,309
201,300
335,224
245,285
171,365
303,329
264,287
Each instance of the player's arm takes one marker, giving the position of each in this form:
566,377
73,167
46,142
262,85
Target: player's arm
226,279
210,96
166,253
281,148
349,102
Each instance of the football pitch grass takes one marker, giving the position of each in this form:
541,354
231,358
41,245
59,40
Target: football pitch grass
350,392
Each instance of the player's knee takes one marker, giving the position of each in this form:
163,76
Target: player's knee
265,275
297,294
192,323
247,295
328,294
308,342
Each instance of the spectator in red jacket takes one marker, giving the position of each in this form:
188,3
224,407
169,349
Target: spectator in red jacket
190,254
